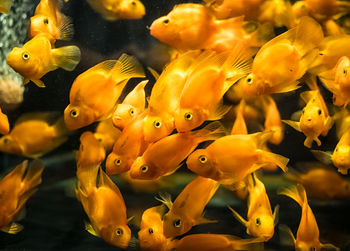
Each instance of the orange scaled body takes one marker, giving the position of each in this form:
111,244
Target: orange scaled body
91,151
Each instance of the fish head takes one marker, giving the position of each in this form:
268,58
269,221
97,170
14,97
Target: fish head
341,156
117,164
123,115
105,140
299,9
131,9
200,163
151,239
23,62
9,145
338,100
157,127
76,117
251,86
166,30
91,151
42,24
175,225
142,170
117,235
342,74
312,119
188,119
262,225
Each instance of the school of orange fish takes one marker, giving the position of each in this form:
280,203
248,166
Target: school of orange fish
225,47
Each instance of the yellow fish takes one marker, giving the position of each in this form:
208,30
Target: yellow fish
107,134
91,151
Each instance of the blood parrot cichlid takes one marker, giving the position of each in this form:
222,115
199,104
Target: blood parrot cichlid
15,189
38,57
94,93
107,134
91,151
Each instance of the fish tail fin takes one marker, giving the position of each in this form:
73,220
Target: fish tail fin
293,176
67,57
125,68
324,157
211,131
240,126
65,28
5,6
296,193
253,244
276,159
165,198
262,34
329,246
286,236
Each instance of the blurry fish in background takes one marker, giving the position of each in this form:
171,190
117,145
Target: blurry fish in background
91,151
35,134
107,134
15,189
4,123
48,19
112,10
38,57
5,6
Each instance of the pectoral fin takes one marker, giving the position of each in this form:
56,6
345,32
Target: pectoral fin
238,217
13,228
203,220
39,83
276,214
286,236
90,229
294,124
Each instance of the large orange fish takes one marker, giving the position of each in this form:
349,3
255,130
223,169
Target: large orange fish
48,19
201,97
107,134
164,156
4,123
38,57
94,93
91,151
187,209
34,134
132,106
231,158
15,189
105,207
308,233
281,62
261,221
151,235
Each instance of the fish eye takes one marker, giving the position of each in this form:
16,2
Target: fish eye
117,162
177,223
312,249
157,124
74,113
258,221
345,71
99,139
334,99
303,111
25,56
319,112
150,231
46,21
131,112
188,116
119,231
250,79
203,159
144,169
6,141
336,150
166,21
133,3
321,53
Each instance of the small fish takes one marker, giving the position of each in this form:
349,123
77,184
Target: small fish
15,189
211,242
35,134
233,157
187,209
151,235
91,151
48,19
133,105
261,222
273,120
112,10
105,207
107,134
281,62
164,156
321,182
38,57
5,6
201,97
4,123
94,93
341,155
314,120
308,233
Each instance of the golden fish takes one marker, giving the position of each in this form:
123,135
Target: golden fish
4,123
91,151
107,134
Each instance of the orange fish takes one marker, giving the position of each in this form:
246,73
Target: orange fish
231,158
94,93
211,242
4,123
105,207
15,189
34,134
239,126
112,10
164,156
5,6
151,236
273,121
314,120
133,105
281,62
127,148
107,134
91,151
37,57
321,182
341,155
201,97
48,19
308,233
261,222
278,12
187,209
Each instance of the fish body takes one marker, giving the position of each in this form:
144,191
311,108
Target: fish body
91,151
107,134
4,123
273,121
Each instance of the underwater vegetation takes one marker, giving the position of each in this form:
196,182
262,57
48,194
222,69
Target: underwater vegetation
145,125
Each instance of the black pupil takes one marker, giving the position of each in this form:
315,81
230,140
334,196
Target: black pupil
74,113
177,223
188,116
143,168
133,3
150,231
344,71
258,221
157,124
46,21
249,80
202,159
319,112
118,161
25,55
166,21
119,232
